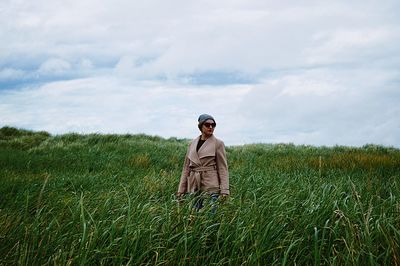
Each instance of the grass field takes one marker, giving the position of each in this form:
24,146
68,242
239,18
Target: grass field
109,200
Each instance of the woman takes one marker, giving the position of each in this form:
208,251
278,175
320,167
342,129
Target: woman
205,168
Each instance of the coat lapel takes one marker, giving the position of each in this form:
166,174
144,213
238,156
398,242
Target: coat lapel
208,148
193,155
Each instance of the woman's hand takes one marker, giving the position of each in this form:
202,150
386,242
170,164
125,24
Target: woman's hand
224,197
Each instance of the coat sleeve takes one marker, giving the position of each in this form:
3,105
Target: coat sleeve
222,167
182,188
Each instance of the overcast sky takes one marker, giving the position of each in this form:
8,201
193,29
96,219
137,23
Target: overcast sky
302,72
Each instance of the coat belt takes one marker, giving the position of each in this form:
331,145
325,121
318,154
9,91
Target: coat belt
196,173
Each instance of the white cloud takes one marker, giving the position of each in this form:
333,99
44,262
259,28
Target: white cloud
346,45
11,73
186,37
266,112
86,64
107,105
324,107
54,66
316,72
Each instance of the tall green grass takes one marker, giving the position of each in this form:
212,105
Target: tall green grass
109,199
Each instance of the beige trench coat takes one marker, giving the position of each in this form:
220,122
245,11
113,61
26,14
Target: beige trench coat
205,170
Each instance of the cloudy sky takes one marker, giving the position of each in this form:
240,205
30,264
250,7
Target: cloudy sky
304,72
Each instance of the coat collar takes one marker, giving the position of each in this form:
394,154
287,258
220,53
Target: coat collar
207,149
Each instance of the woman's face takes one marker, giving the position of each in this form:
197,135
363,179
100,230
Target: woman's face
208,127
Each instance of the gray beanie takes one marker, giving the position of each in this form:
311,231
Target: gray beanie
203,118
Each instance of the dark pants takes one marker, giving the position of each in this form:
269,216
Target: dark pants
205,199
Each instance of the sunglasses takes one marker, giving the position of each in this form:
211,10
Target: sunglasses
210,124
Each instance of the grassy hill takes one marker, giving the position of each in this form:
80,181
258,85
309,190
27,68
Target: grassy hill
109,199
